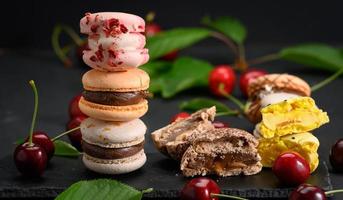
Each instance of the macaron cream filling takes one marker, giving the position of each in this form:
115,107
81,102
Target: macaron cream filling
111,153
276,98
115,98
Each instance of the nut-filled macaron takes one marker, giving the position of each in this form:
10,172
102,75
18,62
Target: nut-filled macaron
115,96
113,147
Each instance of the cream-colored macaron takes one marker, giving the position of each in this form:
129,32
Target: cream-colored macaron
116,166
113,134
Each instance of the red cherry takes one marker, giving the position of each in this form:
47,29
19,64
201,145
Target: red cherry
75,136
74,109
336,156
200,189
42,139
307,192
30,160
291,169
152,29
171,55
222,74
219,124
247,76
180,115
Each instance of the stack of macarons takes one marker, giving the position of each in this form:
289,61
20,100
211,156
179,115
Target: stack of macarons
285,114
115,92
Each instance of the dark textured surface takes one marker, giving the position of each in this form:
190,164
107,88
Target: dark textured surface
159,172
57,85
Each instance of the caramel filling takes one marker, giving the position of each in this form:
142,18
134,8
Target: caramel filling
227,162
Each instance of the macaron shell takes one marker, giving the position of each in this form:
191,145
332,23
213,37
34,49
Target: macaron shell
131,80
113,113
127,41
124,59
117,166
133,23
280,82
113,134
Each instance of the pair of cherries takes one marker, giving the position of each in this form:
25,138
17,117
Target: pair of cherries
207,189
31,157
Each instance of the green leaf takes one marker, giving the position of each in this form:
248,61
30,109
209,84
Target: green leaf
173,39
199,103
19,141
320,56
155,69
229,26
65,149
155,85
101,189
185,73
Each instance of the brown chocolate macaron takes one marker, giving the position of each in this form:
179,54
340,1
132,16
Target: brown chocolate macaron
174,139
224,152
115,96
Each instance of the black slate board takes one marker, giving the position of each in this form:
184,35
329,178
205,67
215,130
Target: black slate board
159,172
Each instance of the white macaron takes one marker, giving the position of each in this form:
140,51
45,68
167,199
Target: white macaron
117,166
113,134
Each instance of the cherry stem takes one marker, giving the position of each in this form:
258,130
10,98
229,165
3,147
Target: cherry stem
147,190
227,196
149,18
333,192
327,80
230,97
226,41
65,133
34,116
73,35
56,46
263,59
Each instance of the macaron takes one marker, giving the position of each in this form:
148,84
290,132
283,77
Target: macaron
113,147
222,151
109,134
270,89
295,115
305,144
113,59
278,83
115,41
93,23
115,96
117,166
